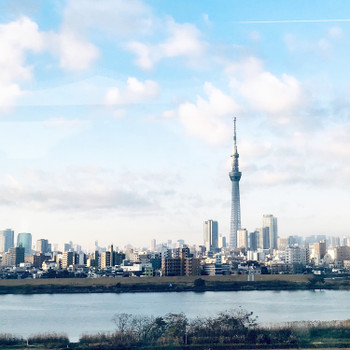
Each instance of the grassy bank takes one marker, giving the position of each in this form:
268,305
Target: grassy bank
170,284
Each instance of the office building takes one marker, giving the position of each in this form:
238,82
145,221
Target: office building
253,240
181,263
42,246
320,249
242,238
24,240
283,243
211,235
105,260
270,227
67,259
6,240
153,245
222,242
16,256
342,253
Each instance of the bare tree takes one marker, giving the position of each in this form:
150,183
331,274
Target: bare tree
123,322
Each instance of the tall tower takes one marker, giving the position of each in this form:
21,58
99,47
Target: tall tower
235,176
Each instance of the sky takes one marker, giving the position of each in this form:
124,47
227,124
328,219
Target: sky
116,117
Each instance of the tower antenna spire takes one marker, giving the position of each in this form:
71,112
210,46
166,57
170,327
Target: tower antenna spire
234,135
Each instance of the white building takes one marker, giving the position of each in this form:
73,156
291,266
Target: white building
296,254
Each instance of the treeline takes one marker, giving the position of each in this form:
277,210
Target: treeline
236,329
46,340
232,329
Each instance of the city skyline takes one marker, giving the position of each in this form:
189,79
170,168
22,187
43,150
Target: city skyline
116,117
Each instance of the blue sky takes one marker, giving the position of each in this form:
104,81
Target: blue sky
116,117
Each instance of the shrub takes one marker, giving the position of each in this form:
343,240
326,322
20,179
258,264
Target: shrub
199,282
49,339
9,339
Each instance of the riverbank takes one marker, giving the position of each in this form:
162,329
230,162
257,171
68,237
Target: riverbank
172,284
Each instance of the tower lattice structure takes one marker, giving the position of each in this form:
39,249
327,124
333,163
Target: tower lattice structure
235,176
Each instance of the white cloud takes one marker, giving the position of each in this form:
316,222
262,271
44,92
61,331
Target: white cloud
270,94
322,46
82,188
208,119
290,42
134,92
263,90
36,139
206,20
75,53
16,39
65,124
115,17
8,95
335,32
22,36
145,59
183,41
255,36
169,114
252,149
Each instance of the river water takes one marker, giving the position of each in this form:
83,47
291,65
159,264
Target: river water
75,314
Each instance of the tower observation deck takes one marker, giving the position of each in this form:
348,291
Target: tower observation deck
235,176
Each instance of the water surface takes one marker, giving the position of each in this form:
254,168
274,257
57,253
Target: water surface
75,314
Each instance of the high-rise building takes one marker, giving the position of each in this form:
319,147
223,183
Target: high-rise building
211,235
283,243
67,247
24,240
6,240
253,240
105,259
342,253
181,264
153,245
180,243
16,256
42,246
67,259
222,242
297,255
235,176
270,223
242,238
320,249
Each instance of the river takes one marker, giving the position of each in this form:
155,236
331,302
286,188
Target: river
75,314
